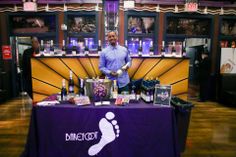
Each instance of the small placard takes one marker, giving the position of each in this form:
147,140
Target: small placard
6,52
162,95
30,6
191,6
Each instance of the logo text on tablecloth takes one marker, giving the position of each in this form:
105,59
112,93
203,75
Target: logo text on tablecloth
88,136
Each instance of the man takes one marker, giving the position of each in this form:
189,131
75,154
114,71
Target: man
26,65
204,75
115,61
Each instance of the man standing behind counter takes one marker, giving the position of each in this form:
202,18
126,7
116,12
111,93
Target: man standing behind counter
26,65
115,61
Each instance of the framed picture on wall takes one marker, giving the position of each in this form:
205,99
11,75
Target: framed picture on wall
138,25
81,24
22,24
228,61
228,27
162,95
188,26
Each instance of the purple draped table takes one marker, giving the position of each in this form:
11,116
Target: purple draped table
134,130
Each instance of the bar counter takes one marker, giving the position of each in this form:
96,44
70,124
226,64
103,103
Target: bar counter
48,72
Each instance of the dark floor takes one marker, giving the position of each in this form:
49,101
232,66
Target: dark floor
212,131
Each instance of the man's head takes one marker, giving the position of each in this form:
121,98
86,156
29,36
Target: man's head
112,38
35,43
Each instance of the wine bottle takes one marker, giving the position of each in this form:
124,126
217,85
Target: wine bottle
99,47
151,94
151,49
115,89
133,94
86,49
140,49
148,96
81,87
173,50
41,48
63,49
163,49
74,48
51,48
184,50
126,44
63,91
71,83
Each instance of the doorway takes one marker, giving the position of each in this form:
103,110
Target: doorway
194,47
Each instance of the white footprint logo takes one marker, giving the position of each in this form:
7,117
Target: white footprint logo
109,130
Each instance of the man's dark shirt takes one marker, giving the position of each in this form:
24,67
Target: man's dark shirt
204,68
26,67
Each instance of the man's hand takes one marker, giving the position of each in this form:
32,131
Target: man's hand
125,68
114,74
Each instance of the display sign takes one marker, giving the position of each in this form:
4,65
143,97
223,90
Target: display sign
191,5
129,4
6,52
162,95
30,6
228,60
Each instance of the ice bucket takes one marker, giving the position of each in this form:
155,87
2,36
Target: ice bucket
91,83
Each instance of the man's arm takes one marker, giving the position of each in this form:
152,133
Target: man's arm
102,65
128,61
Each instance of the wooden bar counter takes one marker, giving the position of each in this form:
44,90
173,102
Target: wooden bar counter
48,72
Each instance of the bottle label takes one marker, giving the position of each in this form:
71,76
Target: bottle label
151,99
63,97
71,89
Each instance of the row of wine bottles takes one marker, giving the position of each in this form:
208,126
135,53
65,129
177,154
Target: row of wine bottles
76,49
71,85
148,88
66,49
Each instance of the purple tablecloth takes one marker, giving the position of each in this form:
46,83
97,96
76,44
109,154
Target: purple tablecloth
141,130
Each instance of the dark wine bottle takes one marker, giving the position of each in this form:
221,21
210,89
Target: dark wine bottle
71,83
86,48
63,91
163,49
63,49
51,48
81,88
41,48
151,49
173,50
99,47
140,49
184,50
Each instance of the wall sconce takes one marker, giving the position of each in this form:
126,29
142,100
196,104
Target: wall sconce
221,11
158,8
176,9
97,7
65,7
15,8
205,10
47,7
